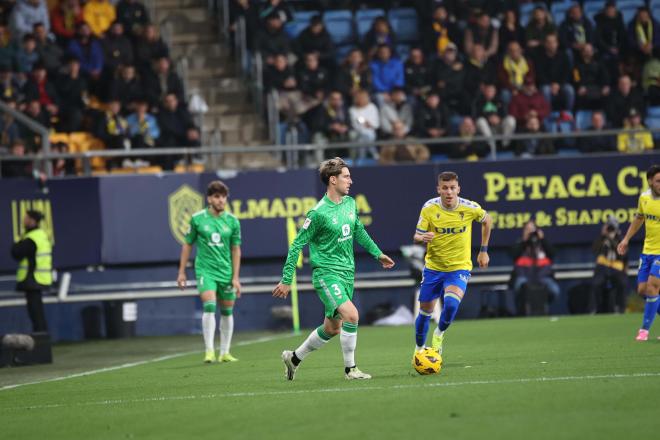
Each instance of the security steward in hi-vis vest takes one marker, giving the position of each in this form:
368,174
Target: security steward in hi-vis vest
35,269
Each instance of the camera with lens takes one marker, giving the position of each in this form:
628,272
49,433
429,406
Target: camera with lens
611,225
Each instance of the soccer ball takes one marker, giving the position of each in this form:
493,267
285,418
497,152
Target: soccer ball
427,361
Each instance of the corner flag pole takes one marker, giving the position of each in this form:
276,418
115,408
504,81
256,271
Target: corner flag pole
291,234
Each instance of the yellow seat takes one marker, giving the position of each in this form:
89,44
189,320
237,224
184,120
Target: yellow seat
192,168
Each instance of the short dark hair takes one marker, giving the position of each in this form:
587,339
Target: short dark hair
37,216
652,171
331,167
447,176
217,187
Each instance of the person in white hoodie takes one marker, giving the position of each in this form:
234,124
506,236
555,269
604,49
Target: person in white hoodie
365,120
26,14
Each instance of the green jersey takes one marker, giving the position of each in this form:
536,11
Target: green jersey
214,237
330,229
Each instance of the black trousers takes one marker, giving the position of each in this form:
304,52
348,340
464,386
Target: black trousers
608,290
35,308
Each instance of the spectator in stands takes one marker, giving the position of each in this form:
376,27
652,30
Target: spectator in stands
532,265
66,17
576,30
386,72
35,111
442,31
635,138
133,16
513,70
275,8
643,34
7,48
467,147
396,109
9,128
26,14
291,102
27,55
432,119
534,146
126,87
112,129
177,128
88,50
315,38
651,81
491,116
510,30
272,40
99,15
161,80
62,167
49,52
331,122
553,75
407,151
72,89
611,37
478,70
313,80
365,120
247,10
482,32
591,80
610,280
380,34
624,98
40,88
597,144
529,102
117,49
16,169
538,27
417,74
149,47
10,86
354,74
449,76
142,126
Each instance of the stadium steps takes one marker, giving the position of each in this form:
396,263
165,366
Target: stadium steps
212,71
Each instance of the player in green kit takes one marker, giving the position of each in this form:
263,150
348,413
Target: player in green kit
330,228
217,234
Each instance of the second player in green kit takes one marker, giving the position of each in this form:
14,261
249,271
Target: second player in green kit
330,229
217,234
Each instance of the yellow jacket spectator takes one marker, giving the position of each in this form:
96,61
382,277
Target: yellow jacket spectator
635,138
99,15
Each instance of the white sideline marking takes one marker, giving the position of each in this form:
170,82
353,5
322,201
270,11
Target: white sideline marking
135,364
338,390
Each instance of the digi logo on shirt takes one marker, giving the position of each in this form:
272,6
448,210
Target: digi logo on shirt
451,230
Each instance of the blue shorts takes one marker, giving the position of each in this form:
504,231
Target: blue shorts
648,265
435,282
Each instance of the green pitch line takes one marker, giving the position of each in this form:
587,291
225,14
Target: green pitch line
573,377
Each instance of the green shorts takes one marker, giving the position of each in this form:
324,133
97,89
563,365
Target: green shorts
224,291
333,290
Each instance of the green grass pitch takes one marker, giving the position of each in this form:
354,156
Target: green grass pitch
537,378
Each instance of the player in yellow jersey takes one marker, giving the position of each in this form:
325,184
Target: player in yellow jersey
445,226
648,276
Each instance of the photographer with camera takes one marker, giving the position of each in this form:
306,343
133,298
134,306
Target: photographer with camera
532,280
608,286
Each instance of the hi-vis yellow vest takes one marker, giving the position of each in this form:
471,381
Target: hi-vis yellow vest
43,270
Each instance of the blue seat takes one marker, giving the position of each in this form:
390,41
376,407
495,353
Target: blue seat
439,158
364,18
304,15
583,119
554,124
653,122
294,28
342,51
655,11
654,3
340,26
405,25
592,8
653,111
558,11
402,51
628,12
366,162
504,155
569,152
526,13
630,3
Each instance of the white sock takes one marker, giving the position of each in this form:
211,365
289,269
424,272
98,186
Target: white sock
348,339
208,329
437,332
316,339
226,332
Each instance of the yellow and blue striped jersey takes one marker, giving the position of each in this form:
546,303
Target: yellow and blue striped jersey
649,208
450,248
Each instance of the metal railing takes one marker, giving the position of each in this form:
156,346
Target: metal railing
34,126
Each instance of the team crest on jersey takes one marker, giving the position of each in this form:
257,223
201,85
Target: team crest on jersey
334,220
462,214
182,203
